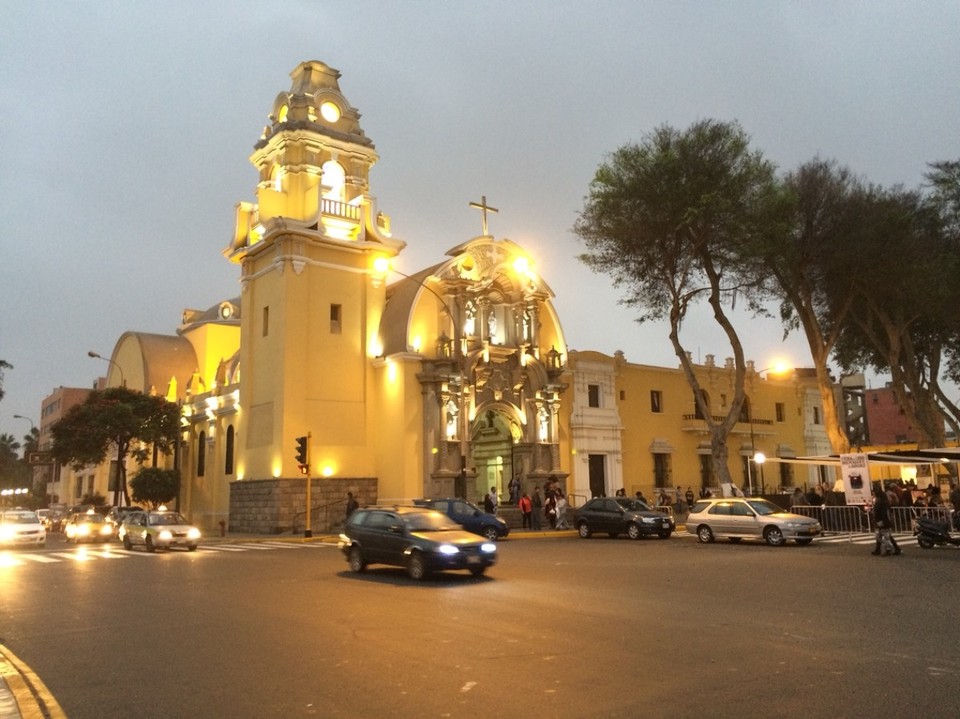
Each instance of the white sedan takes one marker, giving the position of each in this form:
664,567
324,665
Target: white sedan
739,518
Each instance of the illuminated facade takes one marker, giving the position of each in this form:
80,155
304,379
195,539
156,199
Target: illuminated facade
637,427
443,382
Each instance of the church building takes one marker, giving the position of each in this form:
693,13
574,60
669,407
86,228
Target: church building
445,382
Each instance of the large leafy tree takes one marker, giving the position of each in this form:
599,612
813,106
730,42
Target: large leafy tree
668,220
116,423
904,310
810,261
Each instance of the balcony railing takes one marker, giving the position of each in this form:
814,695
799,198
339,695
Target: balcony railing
340,209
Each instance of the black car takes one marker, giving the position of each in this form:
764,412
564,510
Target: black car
469,516
622,515
418,539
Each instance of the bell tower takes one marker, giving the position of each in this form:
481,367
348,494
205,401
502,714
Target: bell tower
310,313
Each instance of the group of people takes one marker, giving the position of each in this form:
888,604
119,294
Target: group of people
552,505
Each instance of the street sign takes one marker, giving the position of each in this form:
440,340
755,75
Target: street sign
39,458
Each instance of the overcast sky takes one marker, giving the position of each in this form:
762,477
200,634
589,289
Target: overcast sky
127,128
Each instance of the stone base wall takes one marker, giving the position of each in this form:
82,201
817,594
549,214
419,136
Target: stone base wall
278,506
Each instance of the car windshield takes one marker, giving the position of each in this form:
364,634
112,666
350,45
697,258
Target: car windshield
163,518
19,518
90,518
763,507
633,505
430,522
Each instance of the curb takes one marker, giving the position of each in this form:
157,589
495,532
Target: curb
22,694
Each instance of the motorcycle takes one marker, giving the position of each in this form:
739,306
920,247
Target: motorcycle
931,533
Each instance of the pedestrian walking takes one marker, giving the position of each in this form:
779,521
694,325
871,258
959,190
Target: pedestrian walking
352,505
689,498
886,543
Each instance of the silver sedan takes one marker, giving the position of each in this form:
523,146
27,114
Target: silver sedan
749,518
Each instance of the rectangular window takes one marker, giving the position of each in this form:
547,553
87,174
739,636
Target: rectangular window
623,395
781,412
816,415
661,470
335,319
266,321
656,401
593,395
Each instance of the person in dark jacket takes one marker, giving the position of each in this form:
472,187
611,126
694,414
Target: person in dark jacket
881,515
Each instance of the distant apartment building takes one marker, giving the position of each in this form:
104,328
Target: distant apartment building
54,407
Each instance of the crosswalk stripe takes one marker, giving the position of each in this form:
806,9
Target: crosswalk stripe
221,548
283,545
39,558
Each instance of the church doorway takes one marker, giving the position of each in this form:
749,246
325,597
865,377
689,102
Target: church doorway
598,476
492,454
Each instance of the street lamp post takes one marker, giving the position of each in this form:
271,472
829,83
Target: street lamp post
759,458
123,381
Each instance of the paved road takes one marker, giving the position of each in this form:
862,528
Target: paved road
561,627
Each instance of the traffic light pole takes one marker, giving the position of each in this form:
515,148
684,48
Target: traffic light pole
303,462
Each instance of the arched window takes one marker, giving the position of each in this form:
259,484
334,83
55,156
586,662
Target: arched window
746,411
228,460
333,180
201,454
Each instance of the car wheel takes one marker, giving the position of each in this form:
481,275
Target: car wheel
127,544
192,547
704,534
633,531
583,530
774,536
356,560
477,571
416,567
804,542
148,544
490,533
664,534
924,542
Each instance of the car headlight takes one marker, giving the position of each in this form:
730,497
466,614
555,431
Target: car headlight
165,535
447,549
488,547
193,533
6,533
106,529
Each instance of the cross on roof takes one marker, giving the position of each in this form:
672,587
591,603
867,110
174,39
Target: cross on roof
484,208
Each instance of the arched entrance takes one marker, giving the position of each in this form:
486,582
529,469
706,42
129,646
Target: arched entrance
494,434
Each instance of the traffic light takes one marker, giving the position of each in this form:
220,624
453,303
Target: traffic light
301,450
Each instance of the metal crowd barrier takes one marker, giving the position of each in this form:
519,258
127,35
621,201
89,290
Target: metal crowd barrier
855,519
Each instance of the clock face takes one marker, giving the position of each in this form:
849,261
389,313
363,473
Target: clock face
329,111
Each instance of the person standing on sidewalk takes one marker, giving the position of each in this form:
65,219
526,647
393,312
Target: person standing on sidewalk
526,509
352,505
561,505
881,516
536,505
